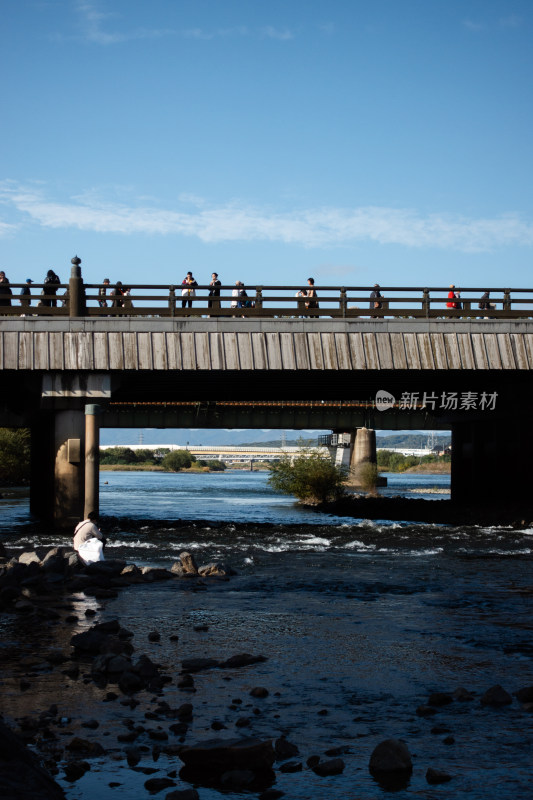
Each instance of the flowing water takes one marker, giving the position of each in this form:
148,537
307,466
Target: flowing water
360,621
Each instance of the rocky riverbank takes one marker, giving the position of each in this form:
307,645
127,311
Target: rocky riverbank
134,723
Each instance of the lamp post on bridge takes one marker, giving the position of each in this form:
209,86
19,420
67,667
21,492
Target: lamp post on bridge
76,292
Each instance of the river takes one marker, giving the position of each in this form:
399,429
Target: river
360,621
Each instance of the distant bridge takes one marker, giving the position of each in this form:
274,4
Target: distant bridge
230,453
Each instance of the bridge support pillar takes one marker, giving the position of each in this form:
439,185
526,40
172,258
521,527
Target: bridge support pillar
65,465
361,450
69,463
92,460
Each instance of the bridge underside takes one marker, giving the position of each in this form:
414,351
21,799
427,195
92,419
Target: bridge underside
474,379
490,446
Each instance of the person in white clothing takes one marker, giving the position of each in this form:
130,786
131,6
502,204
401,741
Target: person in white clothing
88,539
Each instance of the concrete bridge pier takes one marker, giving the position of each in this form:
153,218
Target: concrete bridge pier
92,460
361,449
65,465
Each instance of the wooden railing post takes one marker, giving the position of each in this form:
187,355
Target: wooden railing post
172,301
506,299
426,302
259,297
343,302
76,290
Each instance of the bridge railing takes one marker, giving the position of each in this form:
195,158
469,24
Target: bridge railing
77,299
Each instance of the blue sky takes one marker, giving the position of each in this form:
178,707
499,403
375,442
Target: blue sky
354,141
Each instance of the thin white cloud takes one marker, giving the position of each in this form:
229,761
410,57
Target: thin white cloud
239,222
512,21
220,33
93,23
282,34
95,27
6,229
474,26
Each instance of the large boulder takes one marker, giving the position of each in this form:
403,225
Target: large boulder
151,574
496,696
59,559
436,776
525,695
285,749
332,767
188,563
21,776
105,637
111,567
30,557
390,763
207,762
215,569
241,660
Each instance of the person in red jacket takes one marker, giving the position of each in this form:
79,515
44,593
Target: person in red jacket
453,298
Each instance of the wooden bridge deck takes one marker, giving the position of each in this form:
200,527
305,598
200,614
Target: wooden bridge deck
219,345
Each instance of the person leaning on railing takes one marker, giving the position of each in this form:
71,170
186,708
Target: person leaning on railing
102,291
485,304
117,293
126,302
300,303
188,291
5,290
453,298
51,282
312,301
25,294
239,294
375,298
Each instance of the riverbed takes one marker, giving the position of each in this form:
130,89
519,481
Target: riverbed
360,622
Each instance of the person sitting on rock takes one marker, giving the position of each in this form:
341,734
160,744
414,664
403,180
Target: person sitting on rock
88,539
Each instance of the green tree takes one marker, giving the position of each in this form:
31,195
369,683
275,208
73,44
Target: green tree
117,455
14,455
177,460
384,457
216,466
309,477
145,456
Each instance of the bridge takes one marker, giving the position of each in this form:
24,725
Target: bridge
65,376
226,453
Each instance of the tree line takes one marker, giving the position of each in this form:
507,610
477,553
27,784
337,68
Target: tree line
168,460
391,461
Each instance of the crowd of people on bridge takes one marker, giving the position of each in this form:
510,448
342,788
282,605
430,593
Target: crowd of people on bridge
119,296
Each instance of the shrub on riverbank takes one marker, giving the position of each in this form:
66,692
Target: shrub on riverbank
14,455
368,475
309,477
177,460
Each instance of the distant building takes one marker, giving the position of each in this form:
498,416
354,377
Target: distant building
441,450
